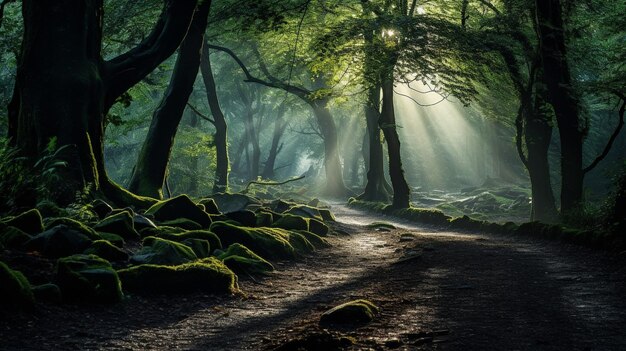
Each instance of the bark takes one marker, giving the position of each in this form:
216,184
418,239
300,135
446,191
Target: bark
279,129
219,121
561,95
64,88
151,168
193,165
401,191
251,133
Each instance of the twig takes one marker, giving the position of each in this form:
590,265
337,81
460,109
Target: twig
260,182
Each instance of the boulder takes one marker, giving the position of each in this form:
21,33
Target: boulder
183,223
164,252
350,313
208,275
88,278
240,259
264,219
47,293
327,215
292,222
29,222
59,241
74,224
141,222
15,291
318,227
214,241
246,217
305,211
210,206
281,206
12,237
200,247
269,243
179,207
101,208
227,203
106,250
160,230
121,224
113,239
317,241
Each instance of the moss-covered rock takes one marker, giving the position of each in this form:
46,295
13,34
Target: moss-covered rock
160,231
113,239
121,224
327,215
101,208
292,222
299,242
30,222
200,247
269,243
47,293
88,278
247,218
163,252
210,206
15,291
214,241
240,259
11,237
183,223
208,275
264,219
318,227
142,222
467,223
74,224
59,241
106,250
317,241
227,203
281,206
305,211
179,207
352,313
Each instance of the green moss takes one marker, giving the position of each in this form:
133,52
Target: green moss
29,222
59,241
240,259
208,275
183,223
292,222
305,211
467,223
179,207
47,293
12,237
317,241
214,241
163,252
234,202
120,223
106,250
200,247
15,289
269,243
210,206
160,231
74,224
88,278
113,239
353,312
264,219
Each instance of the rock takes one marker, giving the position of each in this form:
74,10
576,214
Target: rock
101,208
292,222
160,231
281,206
264,219
314,203
240,259
210,206
269,243
327,215
74,224
29,222
47,293
113,239
15,291
59,241
200,247
106,250
142,222
183,223
404,237
179,207
317,241
246,217
318,227
350,313
12,237
208,275
121,224
214,241
299,242
305,211
379,225
164,252
88,278
228,203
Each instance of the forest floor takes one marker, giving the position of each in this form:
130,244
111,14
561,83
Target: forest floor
436,290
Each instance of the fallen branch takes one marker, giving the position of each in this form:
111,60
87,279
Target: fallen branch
260,182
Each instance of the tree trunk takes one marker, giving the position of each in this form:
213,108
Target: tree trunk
220,183
279,128
376,187
401,191
152,164
65,89
561,95
335,186
193,164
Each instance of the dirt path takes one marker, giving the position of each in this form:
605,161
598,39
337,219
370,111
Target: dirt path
437,290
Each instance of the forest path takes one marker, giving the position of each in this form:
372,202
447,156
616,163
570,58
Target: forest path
437,290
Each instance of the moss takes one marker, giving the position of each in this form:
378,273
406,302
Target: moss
318,227
121,224
142,222
214,241
210,206
74,224
179,207
292,222
59,241
467,223
327,215
377,225
163,252
208,275
240,259
269,243
317,241
106,250
200,247
234,202
246,217
15,289
424,215
160,231
183,223
12,237
113,239
353,312
29,222
305,211
299,242
281,206
88,278
264,219
47,293
101,208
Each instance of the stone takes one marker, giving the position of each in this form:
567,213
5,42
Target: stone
88,278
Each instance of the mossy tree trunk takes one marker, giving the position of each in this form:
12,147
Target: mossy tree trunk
64,88
151,168
220,183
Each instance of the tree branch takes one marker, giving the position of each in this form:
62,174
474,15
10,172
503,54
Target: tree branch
614,136
272,183
200,114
